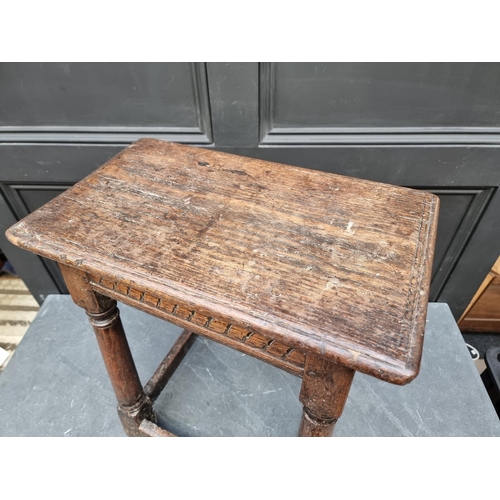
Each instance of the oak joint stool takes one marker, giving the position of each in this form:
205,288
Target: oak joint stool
318,274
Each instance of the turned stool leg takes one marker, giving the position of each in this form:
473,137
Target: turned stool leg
133,404
324,391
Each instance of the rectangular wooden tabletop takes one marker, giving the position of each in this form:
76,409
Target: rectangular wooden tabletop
331,264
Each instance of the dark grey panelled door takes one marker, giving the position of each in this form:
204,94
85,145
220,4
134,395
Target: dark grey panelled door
428,126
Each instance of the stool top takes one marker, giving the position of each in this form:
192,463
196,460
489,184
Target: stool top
329,264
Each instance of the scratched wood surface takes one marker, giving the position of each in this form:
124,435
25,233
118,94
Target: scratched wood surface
324,263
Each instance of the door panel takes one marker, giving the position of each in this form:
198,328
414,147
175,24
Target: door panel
102,102
427,126
310,96
34,197
28,266
24,199
355,103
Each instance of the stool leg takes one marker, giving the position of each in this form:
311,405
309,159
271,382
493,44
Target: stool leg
324,391
133,404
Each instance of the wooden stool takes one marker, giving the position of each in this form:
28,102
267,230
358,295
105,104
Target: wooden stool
317,274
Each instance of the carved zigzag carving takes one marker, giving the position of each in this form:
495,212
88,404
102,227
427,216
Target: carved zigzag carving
214,325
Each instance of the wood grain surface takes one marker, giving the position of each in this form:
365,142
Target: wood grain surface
323,263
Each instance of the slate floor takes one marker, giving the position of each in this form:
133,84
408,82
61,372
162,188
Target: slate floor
56,385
